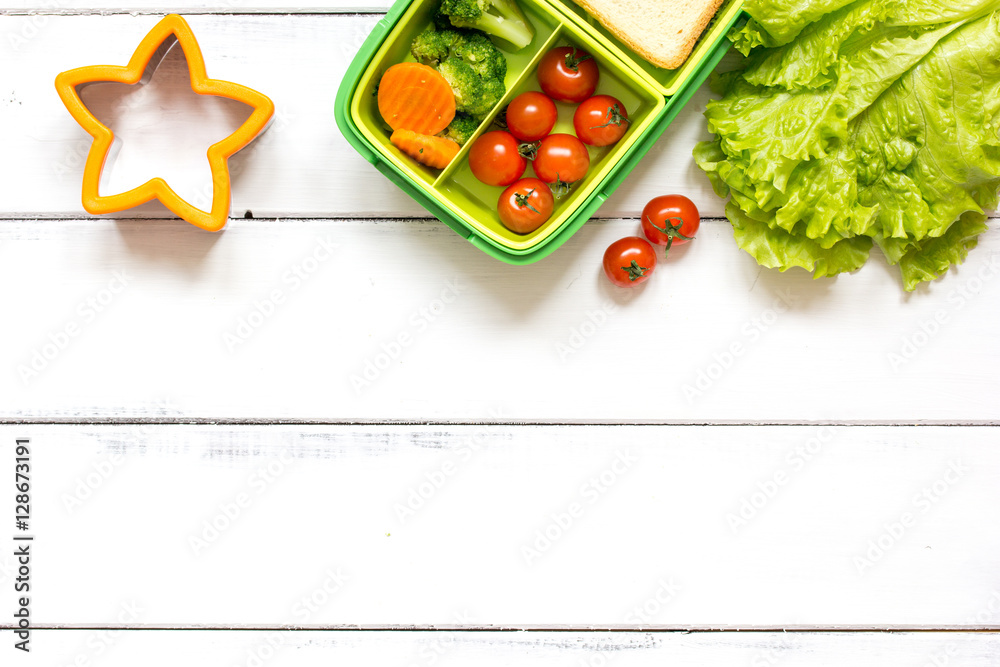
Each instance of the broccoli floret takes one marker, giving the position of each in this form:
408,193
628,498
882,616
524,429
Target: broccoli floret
476,49
462,128
442,22
493,92
465,83
432,46
474,68
500,18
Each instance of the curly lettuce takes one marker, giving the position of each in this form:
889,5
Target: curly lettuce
853,124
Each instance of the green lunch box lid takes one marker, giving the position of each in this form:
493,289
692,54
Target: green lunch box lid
447,197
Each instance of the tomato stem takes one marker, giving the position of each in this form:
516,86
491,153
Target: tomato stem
635,271
615,117
522,200
672,231
529,151
573,62
561,188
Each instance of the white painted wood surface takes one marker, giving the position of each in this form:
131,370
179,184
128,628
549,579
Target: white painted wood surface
404,320
77,7
535,649
277,318
641,526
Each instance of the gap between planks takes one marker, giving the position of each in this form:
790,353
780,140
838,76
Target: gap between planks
82,217
209,421
801,629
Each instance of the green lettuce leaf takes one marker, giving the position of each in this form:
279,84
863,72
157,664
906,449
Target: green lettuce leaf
778,22
932,258
807,61
850,124
872,68
928,144
777,249
930,12
748,37
783,20
777,128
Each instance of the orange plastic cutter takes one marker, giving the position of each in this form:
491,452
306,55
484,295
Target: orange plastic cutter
170,31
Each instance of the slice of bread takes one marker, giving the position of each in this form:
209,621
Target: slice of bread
662,31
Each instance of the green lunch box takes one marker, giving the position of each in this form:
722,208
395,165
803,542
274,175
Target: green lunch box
652,97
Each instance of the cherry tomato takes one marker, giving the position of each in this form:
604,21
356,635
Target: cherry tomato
670,220
525,205
561,159
568,74
531,116
495,159
600,121
629,261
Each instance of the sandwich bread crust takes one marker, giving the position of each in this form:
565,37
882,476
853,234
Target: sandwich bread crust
662,31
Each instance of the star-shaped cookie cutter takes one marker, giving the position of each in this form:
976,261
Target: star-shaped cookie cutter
170,31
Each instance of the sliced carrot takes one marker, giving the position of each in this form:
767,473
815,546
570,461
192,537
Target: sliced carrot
415,97
436,152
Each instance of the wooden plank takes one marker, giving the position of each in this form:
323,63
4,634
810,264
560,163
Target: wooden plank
313,649
591,527
340,320
301,167
72,7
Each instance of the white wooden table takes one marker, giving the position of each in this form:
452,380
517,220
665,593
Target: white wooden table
230,444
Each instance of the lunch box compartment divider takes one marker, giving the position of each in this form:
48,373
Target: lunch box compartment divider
458,183
512,86
417,17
